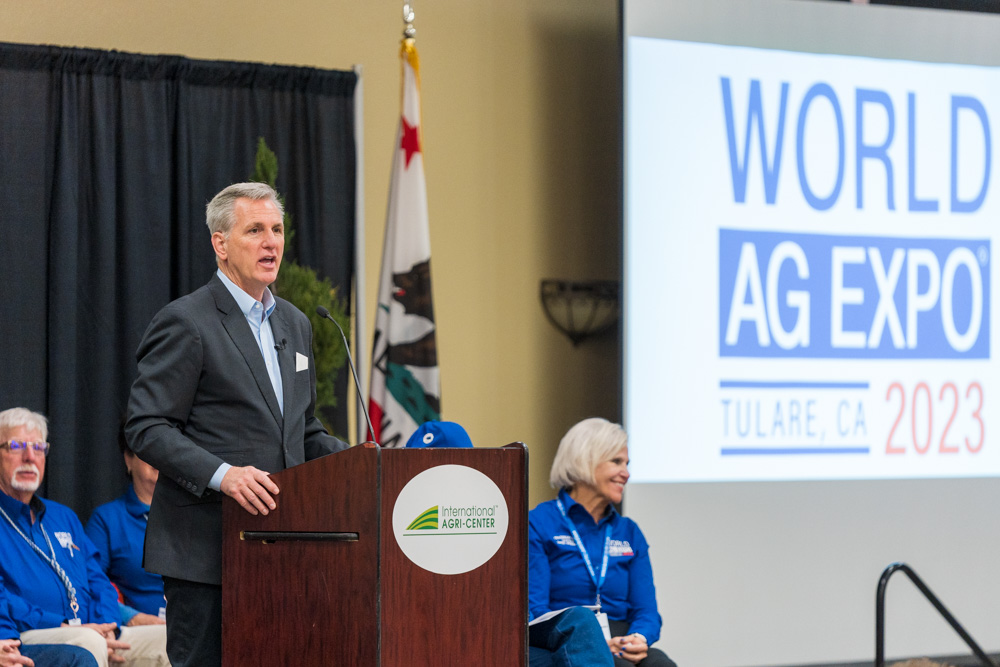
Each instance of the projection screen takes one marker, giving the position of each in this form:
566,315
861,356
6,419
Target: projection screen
810,205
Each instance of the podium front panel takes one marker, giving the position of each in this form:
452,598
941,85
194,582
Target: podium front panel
298,592
472,617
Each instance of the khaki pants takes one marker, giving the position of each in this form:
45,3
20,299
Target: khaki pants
148,643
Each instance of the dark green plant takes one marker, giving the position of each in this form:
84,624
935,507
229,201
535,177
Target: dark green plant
300,285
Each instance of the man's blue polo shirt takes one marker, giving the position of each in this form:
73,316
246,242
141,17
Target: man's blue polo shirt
558,576
36,594
118,530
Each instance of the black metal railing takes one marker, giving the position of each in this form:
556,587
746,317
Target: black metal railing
933,599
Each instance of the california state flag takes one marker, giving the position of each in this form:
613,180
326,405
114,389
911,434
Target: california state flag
405,383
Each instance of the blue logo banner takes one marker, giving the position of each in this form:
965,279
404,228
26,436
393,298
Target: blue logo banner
827,296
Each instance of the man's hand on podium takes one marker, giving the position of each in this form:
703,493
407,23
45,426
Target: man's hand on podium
249,487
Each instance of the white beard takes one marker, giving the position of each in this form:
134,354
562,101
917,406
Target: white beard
30,487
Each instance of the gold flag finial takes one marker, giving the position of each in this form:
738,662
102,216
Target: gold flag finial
409,32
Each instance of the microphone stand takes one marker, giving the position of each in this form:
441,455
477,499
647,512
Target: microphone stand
323,312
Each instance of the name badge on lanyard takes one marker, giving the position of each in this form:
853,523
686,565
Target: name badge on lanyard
602,620
598,582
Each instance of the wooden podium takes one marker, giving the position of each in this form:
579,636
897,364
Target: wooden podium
322,580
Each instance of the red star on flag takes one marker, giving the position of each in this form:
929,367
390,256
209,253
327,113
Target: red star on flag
411,141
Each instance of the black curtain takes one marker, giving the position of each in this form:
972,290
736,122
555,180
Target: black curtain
107,160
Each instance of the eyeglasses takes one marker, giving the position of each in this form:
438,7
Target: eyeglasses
40,448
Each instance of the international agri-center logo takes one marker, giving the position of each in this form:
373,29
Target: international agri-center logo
462,526
459,519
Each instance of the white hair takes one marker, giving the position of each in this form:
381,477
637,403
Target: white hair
220,213
22,417
585,446
30,487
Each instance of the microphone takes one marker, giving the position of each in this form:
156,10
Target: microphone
281,345
323,312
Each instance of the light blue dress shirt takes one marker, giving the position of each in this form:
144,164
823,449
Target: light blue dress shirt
258,314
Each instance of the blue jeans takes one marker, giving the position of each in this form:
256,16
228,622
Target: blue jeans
58,655
571,639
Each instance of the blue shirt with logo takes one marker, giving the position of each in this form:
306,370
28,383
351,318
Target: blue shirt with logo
118,530
37,596
558,576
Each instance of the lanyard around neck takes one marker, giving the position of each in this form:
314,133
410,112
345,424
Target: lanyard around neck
598,582
53,563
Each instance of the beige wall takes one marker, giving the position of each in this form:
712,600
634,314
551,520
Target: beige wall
520,148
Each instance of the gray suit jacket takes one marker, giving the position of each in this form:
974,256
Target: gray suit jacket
203,397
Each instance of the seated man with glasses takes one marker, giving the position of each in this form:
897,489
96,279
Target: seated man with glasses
57,592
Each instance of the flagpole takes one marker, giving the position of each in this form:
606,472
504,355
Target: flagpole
360,331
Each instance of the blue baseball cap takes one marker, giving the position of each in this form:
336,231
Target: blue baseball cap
439,434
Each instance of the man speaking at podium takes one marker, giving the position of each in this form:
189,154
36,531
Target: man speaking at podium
224,396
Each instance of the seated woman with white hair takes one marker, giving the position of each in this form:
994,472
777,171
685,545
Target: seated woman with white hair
581,551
